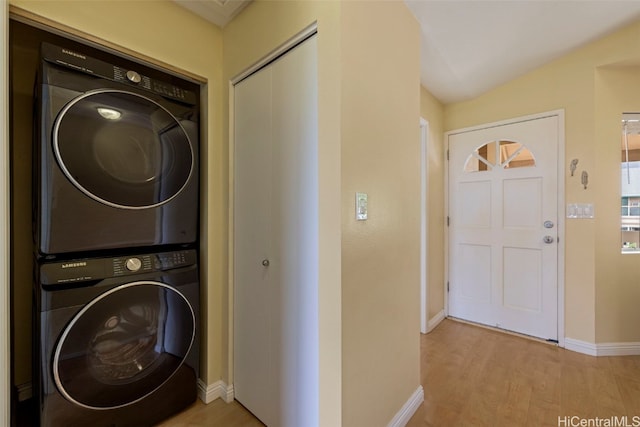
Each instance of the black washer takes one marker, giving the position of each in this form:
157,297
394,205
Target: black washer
116,339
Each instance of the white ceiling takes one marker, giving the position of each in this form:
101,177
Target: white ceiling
471,46
220,12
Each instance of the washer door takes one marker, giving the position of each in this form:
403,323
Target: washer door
123,345
122,149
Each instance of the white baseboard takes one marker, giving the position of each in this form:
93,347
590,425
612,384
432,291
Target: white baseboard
209,393
580,346
619,349
25,391
603,349
408,409
435,321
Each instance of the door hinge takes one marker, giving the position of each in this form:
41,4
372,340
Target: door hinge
447,286
448,221
447,154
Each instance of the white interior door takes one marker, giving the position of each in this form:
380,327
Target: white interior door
254,298
503,233
276,240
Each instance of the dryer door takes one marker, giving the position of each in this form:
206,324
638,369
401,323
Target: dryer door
122,149
123,345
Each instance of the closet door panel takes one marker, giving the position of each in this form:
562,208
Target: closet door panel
253,293
276,240
295,229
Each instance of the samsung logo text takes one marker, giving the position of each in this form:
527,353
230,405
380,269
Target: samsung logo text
74,264
77,55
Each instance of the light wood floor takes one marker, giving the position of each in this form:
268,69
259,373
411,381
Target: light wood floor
215,414
478,377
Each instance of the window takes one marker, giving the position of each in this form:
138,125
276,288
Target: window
630,183
503,154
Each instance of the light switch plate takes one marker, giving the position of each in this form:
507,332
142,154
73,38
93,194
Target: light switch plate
580,210
361,206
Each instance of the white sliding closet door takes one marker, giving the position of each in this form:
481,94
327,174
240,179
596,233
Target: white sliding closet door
276,240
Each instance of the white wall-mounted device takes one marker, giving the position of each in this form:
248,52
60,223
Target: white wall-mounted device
361,206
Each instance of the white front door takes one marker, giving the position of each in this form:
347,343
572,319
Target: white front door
276,204
503,226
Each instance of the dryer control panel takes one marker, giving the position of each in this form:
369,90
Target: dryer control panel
80,62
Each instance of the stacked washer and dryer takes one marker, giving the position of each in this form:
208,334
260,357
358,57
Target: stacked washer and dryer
116,291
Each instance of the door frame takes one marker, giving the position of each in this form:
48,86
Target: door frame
5,207
560,202
424,227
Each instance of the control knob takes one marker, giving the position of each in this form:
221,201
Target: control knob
133,264
133,77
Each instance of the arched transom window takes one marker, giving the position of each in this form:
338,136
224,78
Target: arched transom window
499,154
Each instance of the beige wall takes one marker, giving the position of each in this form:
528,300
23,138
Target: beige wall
596,276
432,110
380,256
617,291
172,35
369,141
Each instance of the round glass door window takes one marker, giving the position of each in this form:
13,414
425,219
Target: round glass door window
123,345
122,149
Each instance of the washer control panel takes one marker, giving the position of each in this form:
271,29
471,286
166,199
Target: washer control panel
152,262
91,269
169,260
